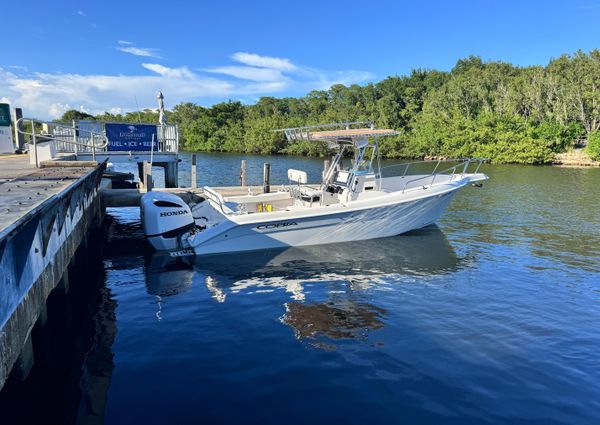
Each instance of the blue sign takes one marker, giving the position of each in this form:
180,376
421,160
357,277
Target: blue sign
131,137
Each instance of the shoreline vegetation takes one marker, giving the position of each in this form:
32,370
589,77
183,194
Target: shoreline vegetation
495,110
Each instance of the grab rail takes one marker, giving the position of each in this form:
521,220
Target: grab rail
465,162
407,165
52,137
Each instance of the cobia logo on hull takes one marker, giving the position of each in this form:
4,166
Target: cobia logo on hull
172,213
276,225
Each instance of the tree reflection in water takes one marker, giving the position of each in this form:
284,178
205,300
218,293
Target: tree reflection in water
333,320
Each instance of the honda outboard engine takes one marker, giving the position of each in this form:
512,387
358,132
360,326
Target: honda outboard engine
166,218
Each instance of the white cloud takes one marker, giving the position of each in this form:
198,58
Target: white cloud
124,42
81,13
253,59
48,95
182,72
17,67
248,73
139,51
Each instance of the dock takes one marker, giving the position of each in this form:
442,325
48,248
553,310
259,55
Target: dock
52,197
45,215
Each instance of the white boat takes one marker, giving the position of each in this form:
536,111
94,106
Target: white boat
354,202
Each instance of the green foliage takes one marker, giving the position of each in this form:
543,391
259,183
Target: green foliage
75,115
489,109
593,146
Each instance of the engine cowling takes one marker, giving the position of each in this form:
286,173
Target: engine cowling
165,218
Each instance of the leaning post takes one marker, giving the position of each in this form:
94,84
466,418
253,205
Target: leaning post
267,178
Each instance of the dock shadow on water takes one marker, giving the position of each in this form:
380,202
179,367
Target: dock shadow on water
72,350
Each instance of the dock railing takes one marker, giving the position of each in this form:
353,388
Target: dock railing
88,137
62,134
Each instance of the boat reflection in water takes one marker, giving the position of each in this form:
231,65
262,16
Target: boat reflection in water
356,266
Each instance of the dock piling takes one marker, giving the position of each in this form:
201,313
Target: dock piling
148,182
194,177
243,180
267,178
171,174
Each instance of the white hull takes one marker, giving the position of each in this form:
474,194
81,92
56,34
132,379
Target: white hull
384,216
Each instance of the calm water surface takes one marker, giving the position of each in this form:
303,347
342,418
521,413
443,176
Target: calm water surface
493,316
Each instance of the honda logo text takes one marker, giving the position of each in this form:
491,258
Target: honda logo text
172,213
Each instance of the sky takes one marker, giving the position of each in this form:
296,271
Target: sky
114,56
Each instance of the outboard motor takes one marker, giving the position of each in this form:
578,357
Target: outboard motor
166,218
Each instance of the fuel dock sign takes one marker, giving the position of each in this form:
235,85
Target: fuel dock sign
131,137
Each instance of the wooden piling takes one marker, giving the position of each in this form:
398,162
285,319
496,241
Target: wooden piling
148,182
267,178
171,173
243,180
194,177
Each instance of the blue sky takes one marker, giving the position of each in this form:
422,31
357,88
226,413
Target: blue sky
98,56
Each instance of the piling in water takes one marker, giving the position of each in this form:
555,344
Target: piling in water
194,177
243,181
267,178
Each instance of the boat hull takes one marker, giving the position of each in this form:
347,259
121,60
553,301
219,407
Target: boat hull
353,225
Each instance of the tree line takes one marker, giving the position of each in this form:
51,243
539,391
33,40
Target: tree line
493,109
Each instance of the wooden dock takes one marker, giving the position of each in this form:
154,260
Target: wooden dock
45,214
24,187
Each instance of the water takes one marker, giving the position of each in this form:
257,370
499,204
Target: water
490,317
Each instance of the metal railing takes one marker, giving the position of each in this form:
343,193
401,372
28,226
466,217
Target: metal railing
450,171
463,162
167,136
89,137
66,135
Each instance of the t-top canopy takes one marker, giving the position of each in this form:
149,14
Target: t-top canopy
355,133
346,135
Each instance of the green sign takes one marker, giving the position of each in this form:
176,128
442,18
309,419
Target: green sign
4,115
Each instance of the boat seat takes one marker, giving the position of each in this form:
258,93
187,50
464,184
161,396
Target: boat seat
309,194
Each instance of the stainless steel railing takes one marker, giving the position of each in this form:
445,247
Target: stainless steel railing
71,138
451,171
461,168
95,141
